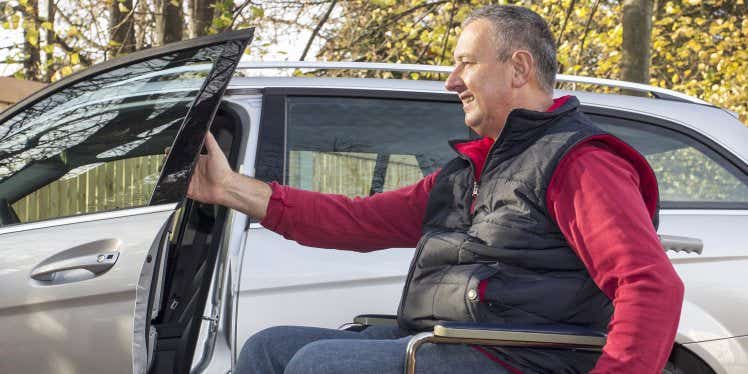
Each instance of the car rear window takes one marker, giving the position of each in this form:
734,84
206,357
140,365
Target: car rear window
689,173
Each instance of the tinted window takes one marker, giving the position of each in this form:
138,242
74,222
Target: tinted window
687,171
97,144
360,146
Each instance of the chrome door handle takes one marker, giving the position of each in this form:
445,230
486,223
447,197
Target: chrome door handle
95,263
682,244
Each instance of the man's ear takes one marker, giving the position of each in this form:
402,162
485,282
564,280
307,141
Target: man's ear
524,67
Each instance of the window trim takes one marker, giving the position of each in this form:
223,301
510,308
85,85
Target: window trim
724,155
87,217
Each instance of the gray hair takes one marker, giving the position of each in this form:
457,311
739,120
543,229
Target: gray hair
516,28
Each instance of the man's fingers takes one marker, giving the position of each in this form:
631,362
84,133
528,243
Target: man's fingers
211,144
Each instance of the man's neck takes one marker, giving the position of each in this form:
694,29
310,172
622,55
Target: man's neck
536,100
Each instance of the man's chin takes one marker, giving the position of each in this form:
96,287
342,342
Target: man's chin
475,126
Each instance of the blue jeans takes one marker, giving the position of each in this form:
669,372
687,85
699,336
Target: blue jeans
376,350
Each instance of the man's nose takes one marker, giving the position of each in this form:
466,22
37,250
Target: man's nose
454,82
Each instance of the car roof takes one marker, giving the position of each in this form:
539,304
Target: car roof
715,123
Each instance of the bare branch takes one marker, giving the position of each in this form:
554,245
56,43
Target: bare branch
82,36
587,30
447,32
566,20
316,29
394,19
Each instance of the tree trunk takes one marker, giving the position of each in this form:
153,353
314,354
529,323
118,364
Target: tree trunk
173,17
201,16
49,40
159,20
168,22
637,40
142,23
32,62
121,27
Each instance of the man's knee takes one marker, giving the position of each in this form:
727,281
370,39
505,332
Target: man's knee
265,342
317,358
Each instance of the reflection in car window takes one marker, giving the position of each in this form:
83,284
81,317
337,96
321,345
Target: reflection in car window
97,144
687,171
361,146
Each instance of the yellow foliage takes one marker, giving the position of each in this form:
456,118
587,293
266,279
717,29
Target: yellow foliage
671,8
698,46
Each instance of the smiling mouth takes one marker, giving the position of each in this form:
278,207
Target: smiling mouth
468,100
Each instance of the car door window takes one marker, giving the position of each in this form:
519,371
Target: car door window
361,146
689,173
97,145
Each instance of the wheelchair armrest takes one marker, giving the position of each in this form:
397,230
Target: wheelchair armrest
375,320
561,336
551,336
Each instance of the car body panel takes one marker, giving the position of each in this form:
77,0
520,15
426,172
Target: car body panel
724,356
715,280
70,325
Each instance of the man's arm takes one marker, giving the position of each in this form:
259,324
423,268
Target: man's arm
384,220
596,200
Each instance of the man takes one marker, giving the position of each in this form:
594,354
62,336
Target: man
546,219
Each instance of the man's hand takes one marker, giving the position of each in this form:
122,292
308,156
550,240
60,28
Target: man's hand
213,182
211,175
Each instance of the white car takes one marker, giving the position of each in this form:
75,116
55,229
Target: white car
108,269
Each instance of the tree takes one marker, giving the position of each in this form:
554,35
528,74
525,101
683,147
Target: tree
169,21
699,47
121,27
50,40
637,35
201,16
31,51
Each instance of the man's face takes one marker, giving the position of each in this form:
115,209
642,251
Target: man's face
483,83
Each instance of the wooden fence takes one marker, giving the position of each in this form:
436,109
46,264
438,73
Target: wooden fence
349,173
99,187
130,182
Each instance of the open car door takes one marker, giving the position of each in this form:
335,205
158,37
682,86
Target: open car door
87,207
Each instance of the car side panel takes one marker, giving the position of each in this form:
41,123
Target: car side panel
715,294
40,320
286,283
724,356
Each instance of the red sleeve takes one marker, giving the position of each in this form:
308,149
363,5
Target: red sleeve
595,197
384,220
